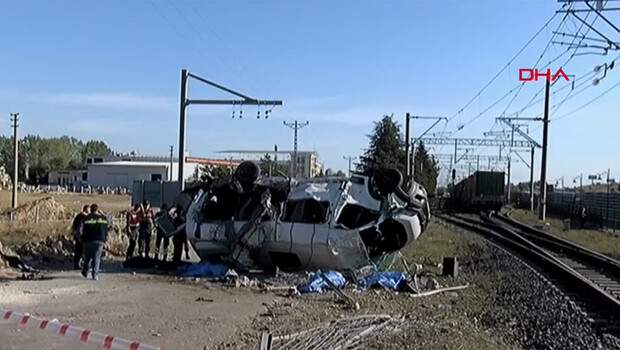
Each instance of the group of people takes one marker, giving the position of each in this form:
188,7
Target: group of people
90,231
139,228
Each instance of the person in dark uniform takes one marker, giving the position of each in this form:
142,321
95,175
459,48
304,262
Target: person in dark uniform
94,236
76,227
161,236
179,239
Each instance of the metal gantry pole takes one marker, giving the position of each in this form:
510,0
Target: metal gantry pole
542,210
532,181
407,141
512,139
607,205
184,102
15,120
182,110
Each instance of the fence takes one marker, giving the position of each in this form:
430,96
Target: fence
602,208
156,192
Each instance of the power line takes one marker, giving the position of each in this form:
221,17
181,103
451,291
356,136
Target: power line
504,67
519,86
588,103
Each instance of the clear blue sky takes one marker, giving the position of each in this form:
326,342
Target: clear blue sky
110,70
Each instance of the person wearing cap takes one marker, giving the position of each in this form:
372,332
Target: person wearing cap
145,215
94,235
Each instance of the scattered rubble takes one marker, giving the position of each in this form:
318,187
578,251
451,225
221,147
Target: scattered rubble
344,333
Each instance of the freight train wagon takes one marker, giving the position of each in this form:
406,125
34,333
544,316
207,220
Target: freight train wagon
483,190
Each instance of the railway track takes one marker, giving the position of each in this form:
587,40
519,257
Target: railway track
590,279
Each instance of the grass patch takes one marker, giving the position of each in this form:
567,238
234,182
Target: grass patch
602,242
435,243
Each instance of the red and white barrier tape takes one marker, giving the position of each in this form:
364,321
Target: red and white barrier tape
107,342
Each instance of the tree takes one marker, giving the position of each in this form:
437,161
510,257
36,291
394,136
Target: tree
94,148
38,156
426,168
386,148
214,171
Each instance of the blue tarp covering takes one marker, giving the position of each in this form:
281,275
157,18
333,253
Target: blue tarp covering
316,284
203,270
387,280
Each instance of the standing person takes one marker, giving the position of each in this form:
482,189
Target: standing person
161,234
76,227
131,229
94,235
145,229
583,216
179,239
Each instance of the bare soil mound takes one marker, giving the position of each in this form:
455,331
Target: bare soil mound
46,208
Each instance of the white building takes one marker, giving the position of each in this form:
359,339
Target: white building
67,177
124,173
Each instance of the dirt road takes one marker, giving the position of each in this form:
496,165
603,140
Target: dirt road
156,310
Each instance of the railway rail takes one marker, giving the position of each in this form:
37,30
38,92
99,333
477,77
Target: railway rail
590,279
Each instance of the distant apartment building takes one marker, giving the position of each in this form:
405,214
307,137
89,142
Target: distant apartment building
307,162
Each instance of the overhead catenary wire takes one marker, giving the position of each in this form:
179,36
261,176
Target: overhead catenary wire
504,67
587,103
519,86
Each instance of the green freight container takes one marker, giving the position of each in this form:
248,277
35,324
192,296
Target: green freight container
489,183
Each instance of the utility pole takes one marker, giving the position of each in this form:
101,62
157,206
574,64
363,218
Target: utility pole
410,163
542,209
607,205
349,158
275,156
296,125
407,141
15,120
171,162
